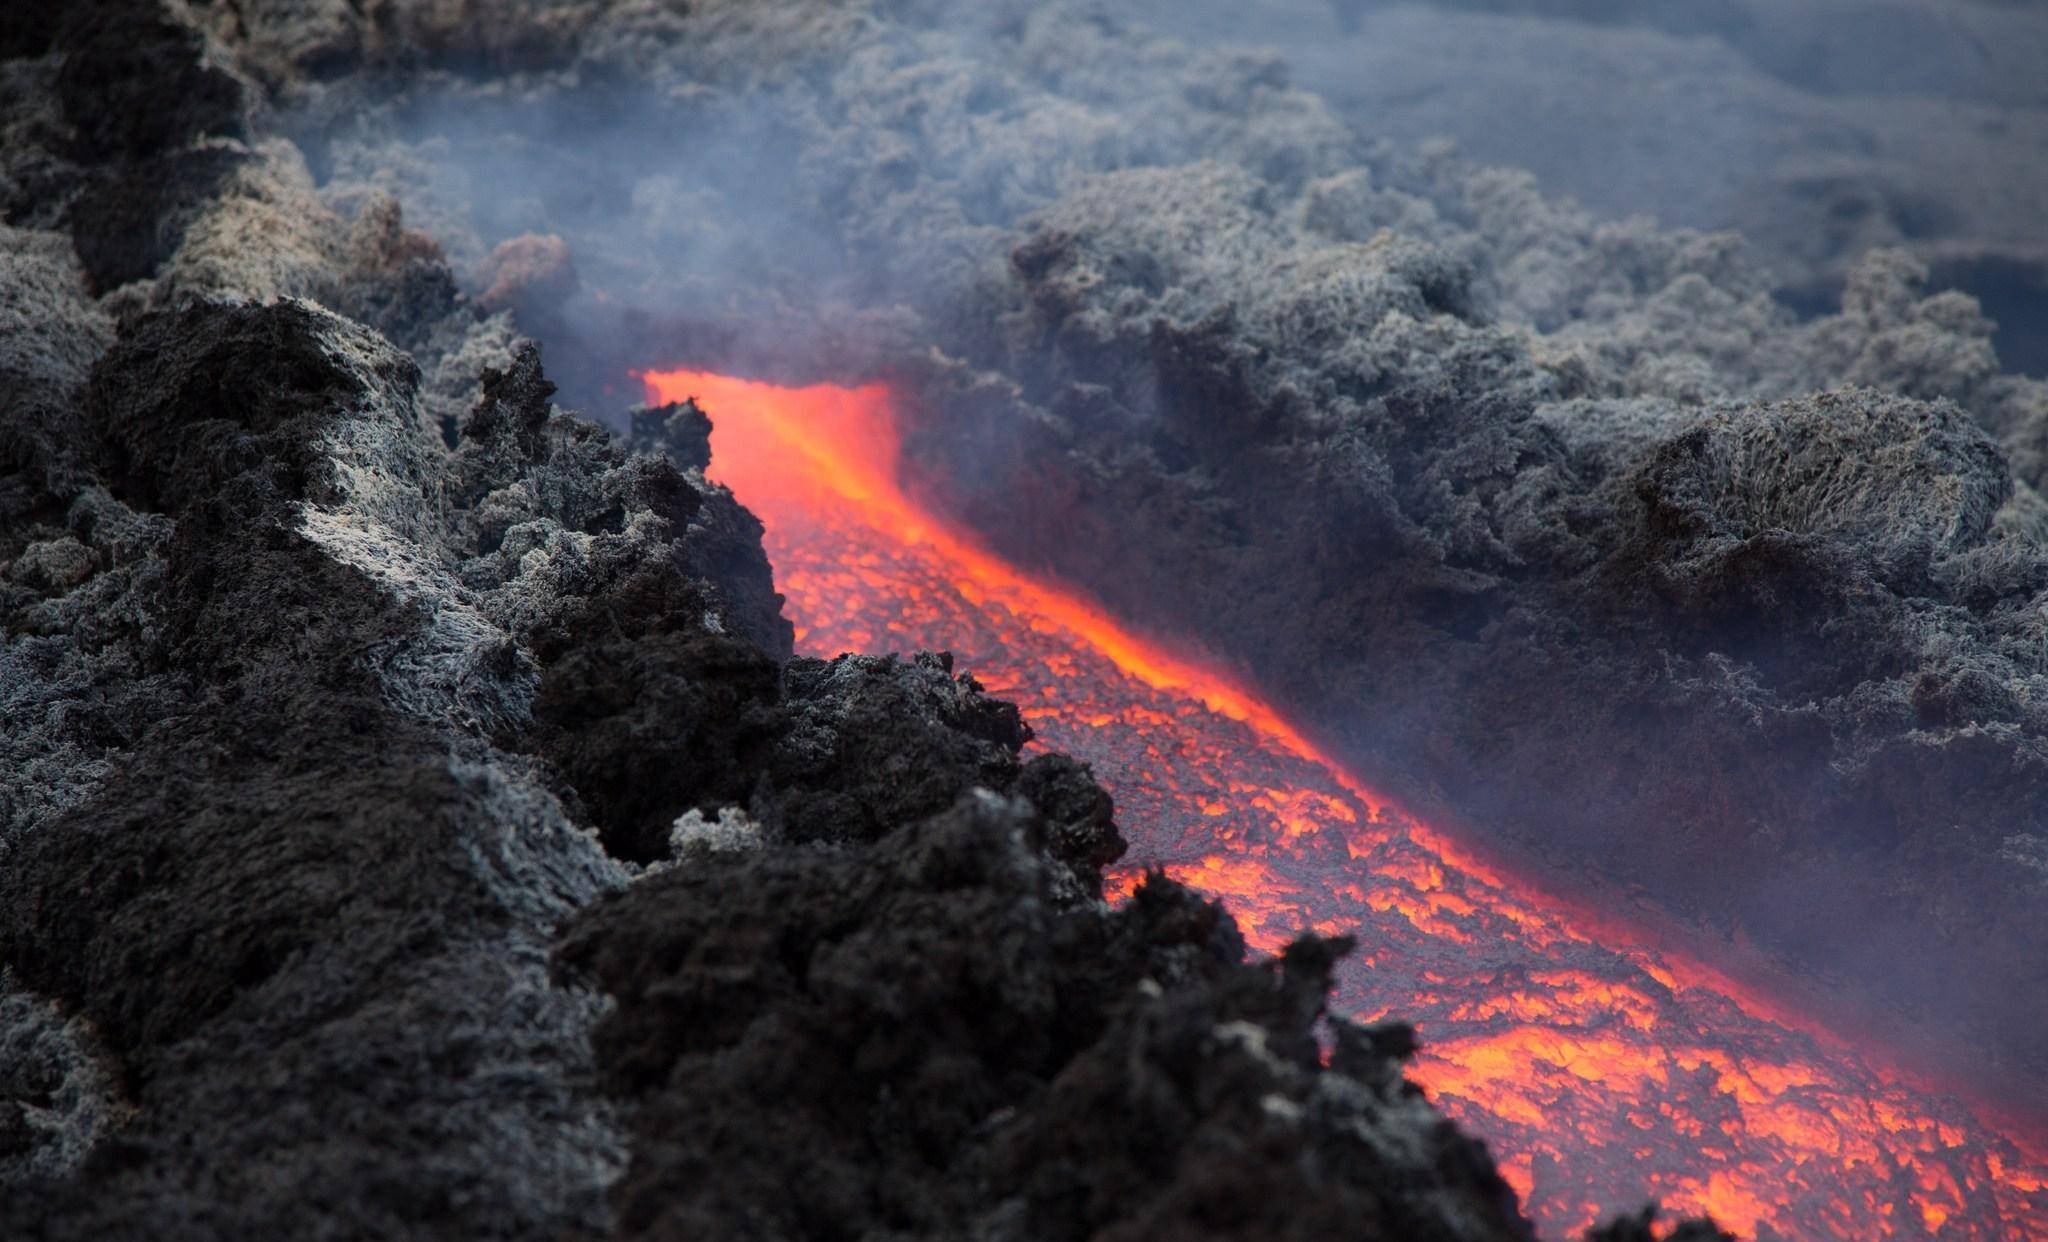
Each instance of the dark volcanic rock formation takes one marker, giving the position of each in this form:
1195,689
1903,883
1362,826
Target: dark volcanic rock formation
923,1039
348,683
286,891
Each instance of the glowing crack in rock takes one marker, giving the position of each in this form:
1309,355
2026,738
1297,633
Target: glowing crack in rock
1599,1069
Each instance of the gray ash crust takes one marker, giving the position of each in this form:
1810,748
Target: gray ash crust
1768,660
302,927
1566,528
1819,129
349,682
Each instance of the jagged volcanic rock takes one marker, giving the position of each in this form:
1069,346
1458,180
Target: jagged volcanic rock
923,1039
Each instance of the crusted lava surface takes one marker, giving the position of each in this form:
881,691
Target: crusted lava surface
1764,658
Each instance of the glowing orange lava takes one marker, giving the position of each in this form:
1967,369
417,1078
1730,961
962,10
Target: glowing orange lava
1599,1069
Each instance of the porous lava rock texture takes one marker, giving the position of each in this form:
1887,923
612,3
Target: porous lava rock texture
926,1039
414,824
1747,617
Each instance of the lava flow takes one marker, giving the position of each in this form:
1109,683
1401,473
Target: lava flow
1599,1070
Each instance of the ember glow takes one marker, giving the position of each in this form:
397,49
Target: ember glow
1599,1068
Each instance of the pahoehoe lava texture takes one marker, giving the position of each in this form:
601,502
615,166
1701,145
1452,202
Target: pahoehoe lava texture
415,825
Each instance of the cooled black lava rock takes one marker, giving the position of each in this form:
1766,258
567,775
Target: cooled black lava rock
223,409
648,728
1080,820
513,450
874,742
289,898
680,430
135,82
126,222
918,1040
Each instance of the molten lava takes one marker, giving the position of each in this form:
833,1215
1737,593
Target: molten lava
1598,1068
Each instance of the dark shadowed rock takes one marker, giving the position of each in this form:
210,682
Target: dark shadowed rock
289,899
128,221
647,729
135,82
917,1038
874,741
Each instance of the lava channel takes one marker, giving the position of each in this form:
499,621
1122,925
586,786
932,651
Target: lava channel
1598,1069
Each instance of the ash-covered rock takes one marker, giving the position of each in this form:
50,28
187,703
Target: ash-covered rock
284,908
1886,486
1596,587
274,899
57,1094
844,765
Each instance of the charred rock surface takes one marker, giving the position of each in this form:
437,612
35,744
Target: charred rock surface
134,82
132,114
923,1039
287,908
844,761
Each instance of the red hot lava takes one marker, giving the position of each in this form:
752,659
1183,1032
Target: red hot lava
1598,1069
